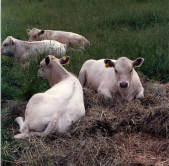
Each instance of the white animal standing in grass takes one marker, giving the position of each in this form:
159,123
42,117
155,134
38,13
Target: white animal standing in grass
24,50
109,77
56,109
72,40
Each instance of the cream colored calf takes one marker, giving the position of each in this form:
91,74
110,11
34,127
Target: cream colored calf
56,109
72,40
24,51
109,77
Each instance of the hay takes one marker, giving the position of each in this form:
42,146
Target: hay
112,133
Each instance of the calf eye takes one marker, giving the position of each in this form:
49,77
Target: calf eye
115,71
5,45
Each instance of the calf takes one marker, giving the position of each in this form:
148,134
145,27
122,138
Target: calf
109,77
72,40
56,109
23,51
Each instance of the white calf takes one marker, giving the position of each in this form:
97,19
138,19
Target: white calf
24,51
109,77
72,40
56,109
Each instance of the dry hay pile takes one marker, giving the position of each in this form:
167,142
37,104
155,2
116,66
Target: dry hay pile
112,133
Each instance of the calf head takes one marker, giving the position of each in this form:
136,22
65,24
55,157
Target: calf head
123,69
8,46
35,34
50,67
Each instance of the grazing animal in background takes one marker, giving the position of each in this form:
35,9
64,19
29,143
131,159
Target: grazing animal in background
72,40
110,77
56,109
23,51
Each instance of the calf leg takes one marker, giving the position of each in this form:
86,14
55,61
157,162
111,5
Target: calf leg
22,128
21,136
140,94
51,127
19,120
105,92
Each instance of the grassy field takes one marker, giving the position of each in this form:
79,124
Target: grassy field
115,28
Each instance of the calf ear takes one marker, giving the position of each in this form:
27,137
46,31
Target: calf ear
109,63
47,60
138,62
12,42
65,60
41,32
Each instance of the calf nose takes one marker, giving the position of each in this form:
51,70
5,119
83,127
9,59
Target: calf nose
123,84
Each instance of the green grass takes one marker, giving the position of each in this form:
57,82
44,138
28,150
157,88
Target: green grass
129,28
115,28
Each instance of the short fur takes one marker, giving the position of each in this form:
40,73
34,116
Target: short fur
56,109
106,81
72,40
24,51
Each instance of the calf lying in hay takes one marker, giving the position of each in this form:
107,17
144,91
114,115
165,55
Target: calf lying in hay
56,109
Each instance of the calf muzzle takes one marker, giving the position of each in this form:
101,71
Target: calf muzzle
123,84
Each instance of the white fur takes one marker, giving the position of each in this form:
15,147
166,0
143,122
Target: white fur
93,74
72,40
24,51
54,110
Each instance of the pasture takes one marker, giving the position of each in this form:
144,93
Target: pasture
115,28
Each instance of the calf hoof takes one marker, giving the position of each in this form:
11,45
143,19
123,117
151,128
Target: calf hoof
20,136
18,119
140,95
